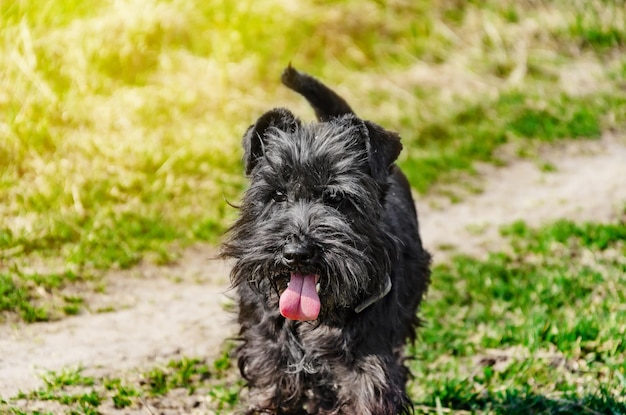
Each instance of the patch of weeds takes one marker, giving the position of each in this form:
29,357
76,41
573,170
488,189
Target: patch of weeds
122,395
225,396
73,305
599,29
106,309
547,126
547,167
39,297
120,240
521,330
453,393
67,377
157,381
596,236
197,376
184,373
85,401
455,396
544,316
477,130
159,387
223,364
68,388
107,240
15,298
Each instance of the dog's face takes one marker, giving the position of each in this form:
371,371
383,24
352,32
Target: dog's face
310,236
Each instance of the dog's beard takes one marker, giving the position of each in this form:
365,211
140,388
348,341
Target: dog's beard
352,263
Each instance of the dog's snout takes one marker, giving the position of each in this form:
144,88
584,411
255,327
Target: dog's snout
297,254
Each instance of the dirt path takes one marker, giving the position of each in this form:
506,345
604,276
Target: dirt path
178,310
161,313
589,184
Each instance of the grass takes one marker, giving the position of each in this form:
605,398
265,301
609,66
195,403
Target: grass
121,122
27,295
181,383
522,331
539,329
120,142
474,133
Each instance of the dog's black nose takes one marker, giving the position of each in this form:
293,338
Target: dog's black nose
297,254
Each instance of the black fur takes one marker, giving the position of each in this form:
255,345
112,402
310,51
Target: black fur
326,198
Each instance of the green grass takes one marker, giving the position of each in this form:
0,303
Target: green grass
121,123
70,389
610,35
27,295
120,141
163,385
474,133
537,328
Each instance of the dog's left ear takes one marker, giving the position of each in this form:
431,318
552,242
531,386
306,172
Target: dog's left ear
384,149
255,138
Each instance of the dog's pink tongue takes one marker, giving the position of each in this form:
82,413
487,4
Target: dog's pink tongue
300,300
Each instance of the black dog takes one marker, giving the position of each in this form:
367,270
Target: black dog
329,269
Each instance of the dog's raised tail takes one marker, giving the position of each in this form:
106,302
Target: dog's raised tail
326,103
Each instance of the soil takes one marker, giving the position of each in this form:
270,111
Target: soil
180,310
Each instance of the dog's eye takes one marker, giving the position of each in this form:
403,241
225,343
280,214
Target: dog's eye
333,198
279,196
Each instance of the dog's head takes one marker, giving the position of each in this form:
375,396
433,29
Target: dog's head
310,237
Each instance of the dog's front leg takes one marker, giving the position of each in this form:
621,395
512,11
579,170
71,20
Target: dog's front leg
373,385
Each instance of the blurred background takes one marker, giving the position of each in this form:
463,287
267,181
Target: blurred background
125,117
121,120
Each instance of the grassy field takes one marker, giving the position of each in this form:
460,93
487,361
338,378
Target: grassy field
120,142
122,121
521,332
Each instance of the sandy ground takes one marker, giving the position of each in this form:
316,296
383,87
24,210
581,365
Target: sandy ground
179,309
160,313
589,184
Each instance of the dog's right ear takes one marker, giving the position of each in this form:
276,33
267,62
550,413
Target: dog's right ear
255,138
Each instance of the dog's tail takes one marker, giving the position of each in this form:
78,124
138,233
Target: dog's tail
326,103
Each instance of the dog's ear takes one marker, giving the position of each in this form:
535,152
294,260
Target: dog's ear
255,138
383,147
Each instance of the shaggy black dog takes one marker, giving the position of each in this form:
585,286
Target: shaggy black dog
329,269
